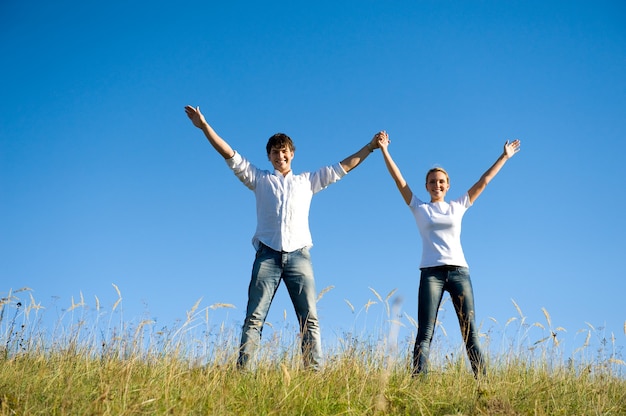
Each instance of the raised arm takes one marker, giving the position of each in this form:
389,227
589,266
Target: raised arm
355,159
510,149
216,141
403,187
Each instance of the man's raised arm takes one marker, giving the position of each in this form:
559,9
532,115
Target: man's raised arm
216,141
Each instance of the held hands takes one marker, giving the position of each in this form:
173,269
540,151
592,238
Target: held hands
382,139
195,116
510,148
373,144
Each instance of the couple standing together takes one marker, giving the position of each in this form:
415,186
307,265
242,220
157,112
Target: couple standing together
282,241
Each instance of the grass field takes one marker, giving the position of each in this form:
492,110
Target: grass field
86,366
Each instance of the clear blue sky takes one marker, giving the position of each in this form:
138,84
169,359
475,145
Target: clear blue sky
103,179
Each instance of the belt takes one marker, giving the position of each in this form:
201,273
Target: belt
270,248
445,268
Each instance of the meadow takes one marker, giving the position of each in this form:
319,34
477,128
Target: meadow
93,362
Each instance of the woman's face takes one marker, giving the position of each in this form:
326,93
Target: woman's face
437,185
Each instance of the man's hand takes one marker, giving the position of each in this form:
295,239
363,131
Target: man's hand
382,139
195,116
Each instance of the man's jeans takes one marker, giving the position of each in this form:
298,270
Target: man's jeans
433,282
295,269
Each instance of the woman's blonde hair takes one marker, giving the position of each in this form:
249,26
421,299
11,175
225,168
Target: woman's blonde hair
438,169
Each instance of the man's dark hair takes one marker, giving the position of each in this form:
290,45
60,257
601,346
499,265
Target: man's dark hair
279,140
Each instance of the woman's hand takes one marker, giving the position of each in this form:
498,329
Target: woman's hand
382,139
511,148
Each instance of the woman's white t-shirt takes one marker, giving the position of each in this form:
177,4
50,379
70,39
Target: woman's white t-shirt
439,224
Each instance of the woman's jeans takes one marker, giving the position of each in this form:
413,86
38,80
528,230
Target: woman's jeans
296,270
433,282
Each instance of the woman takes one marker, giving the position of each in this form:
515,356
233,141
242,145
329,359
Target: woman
443,266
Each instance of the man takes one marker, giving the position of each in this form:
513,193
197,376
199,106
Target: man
282,238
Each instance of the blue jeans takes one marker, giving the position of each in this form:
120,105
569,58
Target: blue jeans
433,282
296,270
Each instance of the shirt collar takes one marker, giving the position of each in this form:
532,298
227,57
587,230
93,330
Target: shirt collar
277,173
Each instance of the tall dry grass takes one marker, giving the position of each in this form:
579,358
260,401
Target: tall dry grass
95,363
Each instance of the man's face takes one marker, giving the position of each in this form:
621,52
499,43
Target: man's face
281,159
